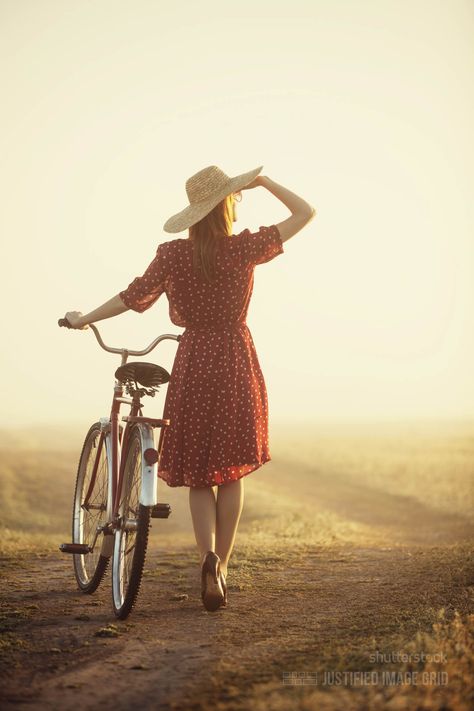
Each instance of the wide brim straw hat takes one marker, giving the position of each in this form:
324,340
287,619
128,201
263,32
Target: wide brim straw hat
205,189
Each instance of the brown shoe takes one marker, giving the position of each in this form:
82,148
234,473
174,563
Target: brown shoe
212,593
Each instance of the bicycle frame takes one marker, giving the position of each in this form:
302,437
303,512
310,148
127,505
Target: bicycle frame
116,444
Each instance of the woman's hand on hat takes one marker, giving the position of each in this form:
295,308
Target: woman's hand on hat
255,183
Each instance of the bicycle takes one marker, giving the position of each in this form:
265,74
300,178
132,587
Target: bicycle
115,495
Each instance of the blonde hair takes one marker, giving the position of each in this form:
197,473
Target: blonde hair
205,235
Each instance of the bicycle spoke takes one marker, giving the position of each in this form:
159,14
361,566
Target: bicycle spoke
89,518
132,537
130,549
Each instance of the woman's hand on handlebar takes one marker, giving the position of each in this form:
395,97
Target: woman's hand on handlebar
75,319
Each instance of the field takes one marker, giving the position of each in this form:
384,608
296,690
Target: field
351,584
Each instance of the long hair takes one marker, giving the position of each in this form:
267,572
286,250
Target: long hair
206,234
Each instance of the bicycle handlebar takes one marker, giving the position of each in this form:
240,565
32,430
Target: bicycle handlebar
64,322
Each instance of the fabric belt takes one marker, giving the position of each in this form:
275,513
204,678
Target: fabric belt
227,327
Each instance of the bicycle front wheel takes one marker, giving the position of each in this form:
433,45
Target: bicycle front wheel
131,536
89,515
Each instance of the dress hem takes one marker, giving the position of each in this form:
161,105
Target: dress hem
255,466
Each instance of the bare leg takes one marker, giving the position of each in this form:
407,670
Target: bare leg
230,501
202,503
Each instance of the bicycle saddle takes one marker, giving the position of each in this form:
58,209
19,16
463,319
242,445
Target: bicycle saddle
147,374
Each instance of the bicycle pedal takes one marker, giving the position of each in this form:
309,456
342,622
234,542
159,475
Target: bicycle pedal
74,548
160,511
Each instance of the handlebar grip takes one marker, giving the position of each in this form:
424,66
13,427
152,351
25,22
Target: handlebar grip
64,322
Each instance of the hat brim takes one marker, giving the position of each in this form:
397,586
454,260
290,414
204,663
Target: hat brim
193,213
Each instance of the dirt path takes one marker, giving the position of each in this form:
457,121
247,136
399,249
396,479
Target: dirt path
311,589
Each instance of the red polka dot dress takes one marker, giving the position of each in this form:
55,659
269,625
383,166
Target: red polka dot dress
216,399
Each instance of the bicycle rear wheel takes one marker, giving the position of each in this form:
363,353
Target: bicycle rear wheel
89,568
131,537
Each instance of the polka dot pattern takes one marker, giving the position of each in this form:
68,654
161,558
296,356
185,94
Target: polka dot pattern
216,399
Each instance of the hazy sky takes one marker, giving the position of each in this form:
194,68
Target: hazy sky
364,108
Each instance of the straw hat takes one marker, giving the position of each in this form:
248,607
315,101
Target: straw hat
205,190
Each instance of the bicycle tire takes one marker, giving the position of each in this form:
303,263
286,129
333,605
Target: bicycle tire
90,568
132,532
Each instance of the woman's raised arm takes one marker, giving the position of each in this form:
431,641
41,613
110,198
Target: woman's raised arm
302,211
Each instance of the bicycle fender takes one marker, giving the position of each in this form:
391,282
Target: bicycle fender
108,445
105,427
149,487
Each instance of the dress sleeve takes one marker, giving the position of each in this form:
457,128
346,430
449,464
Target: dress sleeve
262,246
145,290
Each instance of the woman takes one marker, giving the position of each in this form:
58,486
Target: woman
216,399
